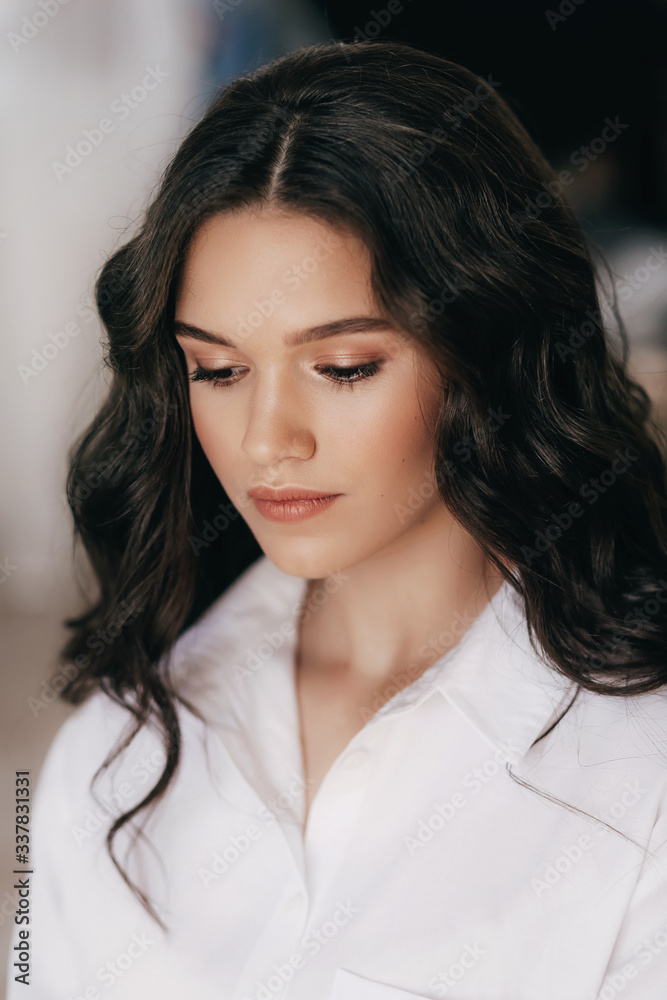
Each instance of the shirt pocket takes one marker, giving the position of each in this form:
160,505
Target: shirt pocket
348,986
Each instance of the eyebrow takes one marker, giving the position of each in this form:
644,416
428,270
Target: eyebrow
354,324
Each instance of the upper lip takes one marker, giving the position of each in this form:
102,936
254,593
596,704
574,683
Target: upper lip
286,493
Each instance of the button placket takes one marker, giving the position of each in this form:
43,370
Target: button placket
278,942
333,817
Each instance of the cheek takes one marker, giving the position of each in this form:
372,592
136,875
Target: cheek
409,448
212,435
389,442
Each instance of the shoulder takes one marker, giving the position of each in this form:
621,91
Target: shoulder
81,745
206,657
261,591
99,766
612,751
634,726
258,596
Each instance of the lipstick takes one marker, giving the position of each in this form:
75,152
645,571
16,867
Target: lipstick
290,503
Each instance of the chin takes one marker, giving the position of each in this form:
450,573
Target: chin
309,559
316,558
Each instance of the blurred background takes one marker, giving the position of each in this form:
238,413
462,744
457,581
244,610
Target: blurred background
73,189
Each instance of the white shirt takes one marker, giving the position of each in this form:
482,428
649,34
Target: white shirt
425,870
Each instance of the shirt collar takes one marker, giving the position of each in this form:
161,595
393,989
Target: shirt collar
505,689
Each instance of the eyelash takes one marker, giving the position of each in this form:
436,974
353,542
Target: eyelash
367,370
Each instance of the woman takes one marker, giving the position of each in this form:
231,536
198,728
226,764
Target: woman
377,517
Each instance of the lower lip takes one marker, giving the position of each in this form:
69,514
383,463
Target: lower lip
293,510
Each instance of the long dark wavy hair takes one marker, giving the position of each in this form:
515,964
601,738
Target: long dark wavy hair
546,452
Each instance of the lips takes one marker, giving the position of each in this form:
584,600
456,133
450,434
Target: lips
281,493
290,503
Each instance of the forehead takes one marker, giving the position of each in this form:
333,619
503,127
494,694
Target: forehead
239,260
264,239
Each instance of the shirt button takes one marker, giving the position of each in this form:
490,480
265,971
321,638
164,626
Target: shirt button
294,902
356,758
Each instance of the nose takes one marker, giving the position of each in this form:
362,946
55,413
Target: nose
278,424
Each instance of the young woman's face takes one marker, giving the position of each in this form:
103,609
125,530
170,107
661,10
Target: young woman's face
271,407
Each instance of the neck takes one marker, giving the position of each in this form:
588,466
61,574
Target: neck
406,605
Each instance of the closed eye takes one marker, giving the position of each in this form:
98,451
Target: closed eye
342,376
348,376
218,376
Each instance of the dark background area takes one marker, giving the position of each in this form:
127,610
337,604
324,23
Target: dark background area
562,74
